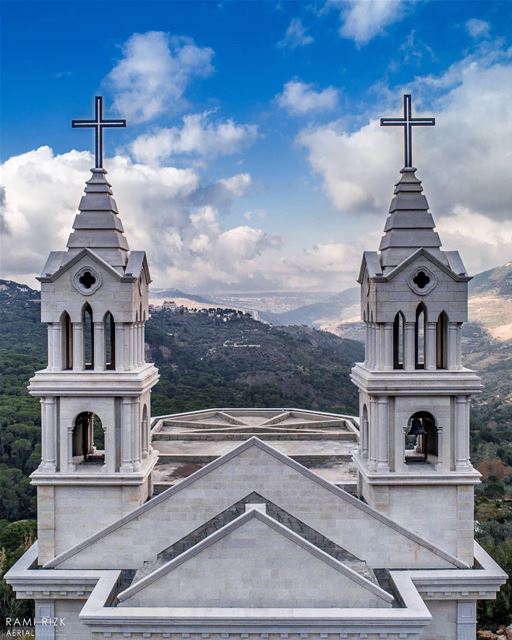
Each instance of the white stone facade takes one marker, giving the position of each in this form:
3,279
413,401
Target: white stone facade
254,545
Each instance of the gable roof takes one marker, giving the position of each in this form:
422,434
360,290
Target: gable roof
282,458
276,526
433,259
52,261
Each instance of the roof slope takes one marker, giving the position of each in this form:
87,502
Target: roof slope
254,561
255,466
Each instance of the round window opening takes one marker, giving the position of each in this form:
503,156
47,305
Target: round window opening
421,279
87,280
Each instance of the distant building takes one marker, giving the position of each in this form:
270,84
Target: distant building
169,304
255,523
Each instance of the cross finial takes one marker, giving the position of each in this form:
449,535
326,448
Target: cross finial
98,124
407,122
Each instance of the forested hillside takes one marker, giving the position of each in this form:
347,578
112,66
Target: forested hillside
221,357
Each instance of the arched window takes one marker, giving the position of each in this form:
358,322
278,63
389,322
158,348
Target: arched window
398,341
421,319
67,341
442,341
110,341
421,438
88,335
88,442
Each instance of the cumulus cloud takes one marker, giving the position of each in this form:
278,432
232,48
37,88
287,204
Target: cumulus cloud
482,241
300,98
362,20
464,167
197,136
478,28
169,212
154,73
295,36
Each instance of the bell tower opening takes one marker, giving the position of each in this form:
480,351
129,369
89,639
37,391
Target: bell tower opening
421,438
88,439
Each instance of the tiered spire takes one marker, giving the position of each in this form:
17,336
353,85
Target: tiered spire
410,225
97,225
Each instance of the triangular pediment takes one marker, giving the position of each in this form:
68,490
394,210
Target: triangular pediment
258,467
91,255
255,561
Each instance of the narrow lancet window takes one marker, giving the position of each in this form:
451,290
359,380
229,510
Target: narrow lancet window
67,342
398,341
110,342
442,341
421,318
88,335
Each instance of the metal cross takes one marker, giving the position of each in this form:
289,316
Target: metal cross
98,124
407,122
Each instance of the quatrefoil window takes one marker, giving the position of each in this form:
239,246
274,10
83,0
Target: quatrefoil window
87,280
421,279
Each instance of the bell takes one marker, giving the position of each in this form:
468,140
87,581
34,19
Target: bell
417,428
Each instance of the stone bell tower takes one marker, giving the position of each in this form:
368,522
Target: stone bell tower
414,392
95,392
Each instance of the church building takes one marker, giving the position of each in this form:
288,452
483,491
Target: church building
290,524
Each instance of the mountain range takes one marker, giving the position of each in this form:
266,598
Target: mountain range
490,305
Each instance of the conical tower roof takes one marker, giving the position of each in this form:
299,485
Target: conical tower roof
97,225
410,225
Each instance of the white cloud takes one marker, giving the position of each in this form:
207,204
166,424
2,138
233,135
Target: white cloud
478,28
362,20
463,161
154,73
197,136
295,36
171,214
300,98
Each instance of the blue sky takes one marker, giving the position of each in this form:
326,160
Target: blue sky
253,159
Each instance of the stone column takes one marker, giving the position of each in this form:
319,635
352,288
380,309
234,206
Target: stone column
57,347
69,452
461,434
51,355
143,342
409,354
452,345
388,346
45,622
78,347
466,620
458,348
440,465
367,346
49,434
383,434
131,350
137,435
372,435
126,435
99,346
120,354
430,346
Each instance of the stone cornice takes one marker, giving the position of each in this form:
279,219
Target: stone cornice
417,382
99,383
